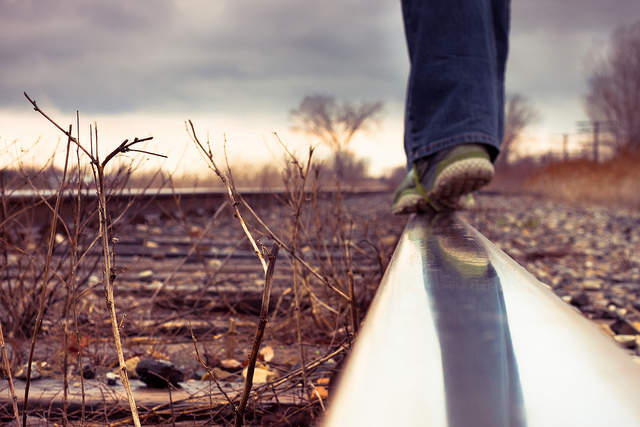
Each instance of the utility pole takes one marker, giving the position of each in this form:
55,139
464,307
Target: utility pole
595,127
596,139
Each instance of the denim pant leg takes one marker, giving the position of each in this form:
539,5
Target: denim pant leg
458,51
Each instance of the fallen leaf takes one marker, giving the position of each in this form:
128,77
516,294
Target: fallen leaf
266,353
261,375
324,381
321,392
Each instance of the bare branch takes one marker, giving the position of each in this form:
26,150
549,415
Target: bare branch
613,80
519,115
67,133
234,197
45,280
334,123
262,324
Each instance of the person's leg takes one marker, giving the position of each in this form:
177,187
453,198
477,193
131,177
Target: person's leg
501,25
457,50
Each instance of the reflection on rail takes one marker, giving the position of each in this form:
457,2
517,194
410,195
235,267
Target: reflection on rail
460,335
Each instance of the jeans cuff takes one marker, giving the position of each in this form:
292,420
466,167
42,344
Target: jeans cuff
492,144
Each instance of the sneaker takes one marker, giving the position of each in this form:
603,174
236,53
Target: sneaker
439,182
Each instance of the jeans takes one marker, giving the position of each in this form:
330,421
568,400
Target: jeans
455,95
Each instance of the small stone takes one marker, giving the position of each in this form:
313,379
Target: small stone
266,353
307,252
622,327
626,341
195,231
112,379
580,300
606,329
618,302
219,374
145,275
599,302
131,365
88,373
231,364
591,285
261,374
155,230
35,371
214,263
601,313
158,373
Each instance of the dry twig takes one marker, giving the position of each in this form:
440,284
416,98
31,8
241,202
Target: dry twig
262,324
108,270
7,368
45,280
268,266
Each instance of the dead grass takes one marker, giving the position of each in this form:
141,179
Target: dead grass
613,183
333,257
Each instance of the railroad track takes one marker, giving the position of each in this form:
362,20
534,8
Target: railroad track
458,333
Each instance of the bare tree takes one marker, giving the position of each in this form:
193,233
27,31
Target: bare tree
519,114
613,80
335,123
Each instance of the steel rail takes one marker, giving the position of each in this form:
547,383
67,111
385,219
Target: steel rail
460,335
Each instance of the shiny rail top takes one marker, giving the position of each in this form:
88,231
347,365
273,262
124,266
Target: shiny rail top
460,335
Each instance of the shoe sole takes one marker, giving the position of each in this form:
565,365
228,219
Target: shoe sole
410,203
458,179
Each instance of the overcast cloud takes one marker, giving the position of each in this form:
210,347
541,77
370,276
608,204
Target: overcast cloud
240,57
124,55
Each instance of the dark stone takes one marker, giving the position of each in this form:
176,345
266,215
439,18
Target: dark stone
88,373
83,319
158,373
622,327
112,379
618,302
580,300
598,313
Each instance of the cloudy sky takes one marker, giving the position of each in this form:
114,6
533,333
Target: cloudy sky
236,67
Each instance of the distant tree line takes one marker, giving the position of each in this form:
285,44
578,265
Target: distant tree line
613,86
